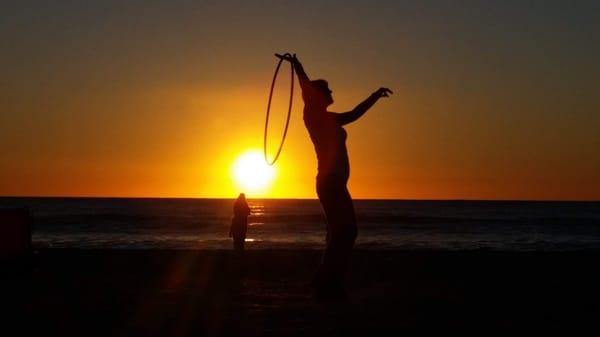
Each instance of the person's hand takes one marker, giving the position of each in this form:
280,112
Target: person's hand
382,92
288,57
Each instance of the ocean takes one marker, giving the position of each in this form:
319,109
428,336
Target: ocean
144,223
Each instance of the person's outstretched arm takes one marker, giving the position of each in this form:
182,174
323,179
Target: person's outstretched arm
350,116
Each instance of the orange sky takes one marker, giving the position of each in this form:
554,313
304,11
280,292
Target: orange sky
491,101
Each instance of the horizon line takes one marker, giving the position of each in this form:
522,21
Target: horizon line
267,198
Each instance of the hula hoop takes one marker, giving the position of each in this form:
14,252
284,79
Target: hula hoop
287,122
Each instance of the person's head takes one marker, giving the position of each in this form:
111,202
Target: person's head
242,196
324,91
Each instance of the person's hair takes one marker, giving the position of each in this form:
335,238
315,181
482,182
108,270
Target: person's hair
321,85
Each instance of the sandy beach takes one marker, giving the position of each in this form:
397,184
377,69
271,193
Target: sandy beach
265,292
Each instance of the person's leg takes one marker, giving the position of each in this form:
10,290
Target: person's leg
343,235
339,211
321,277
238,244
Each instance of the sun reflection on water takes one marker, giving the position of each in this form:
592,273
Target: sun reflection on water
257,208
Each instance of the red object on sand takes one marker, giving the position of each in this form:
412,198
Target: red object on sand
15,233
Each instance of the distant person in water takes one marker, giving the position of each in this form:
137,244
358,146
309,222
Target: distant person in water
239,222
329,139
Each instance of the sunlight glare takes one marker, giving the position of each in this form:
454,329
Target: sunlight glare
251,172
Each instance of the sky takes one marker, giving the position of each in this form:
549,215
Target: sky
492,99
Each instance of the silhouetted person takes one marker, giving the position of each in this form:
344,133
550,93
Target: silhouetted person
329,139
239,222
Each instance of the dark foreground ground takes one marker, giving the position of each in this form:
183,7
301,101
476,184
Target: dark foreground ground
213,293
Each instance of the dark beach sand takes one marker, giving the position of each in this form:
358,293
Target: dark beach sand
213,293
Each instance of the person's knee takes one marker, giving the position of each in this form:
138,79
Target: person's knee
344,236
350,229
351,236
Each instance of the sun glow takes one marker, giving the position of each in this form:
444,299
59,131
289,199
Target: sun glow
251,173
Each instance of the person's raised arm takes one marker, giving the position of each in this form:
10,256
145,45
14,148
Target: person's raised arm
299,69
359,110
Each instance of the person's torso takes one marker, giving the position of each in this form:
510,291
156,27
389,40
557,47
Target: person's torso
329,140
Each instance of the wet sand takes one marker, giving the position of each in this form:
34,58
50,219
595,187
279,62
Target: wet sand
216,293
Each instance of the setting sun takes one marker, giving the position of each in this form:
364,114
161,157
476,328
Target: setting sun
251,173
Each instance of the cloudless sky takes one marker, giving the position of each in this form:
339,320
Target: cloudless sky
492,99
